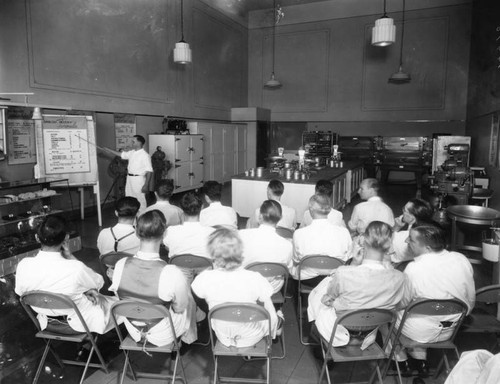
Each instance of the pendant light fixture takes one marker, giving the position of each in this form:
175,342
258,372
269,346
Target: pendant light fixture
274,83
401,77
182,52
384,31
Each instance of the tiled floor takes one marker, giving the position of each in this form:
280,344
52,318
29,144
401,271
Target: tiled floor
300,366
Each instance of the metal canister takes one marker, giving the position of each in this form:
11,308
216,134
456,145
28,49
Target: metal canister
296,175
303,176
288,173
260,171
341,164
252,172
332,163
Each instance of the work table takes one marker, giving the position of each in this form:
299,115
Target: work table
249,192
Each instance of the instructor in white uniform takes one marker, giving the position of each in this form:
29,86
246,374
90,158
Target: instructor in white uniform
139,170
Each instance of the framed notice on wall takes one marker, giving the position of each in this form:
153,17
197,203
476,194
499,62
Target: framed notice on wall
21,142
493,154
125,129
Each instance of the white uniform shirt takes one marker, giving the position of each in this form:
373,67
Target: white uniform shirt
50,271
288,218
401,250
238,286
190,237
319,238
172,213
218,214
263,244
443,275
335,217
106,242
372,210
172,288
139,161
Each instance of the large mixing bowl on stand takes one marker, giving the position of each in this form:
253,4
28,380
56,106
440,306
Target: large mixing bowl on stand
469,220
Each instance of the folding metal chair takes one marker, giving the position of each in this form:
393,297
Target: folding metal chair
54,301
480,321
241,313
189,261
109,260
359,319
284,232
146,312
274,270
324,265
429,307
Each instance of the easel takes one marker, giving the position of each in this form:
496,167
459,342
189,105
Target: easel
82,172
97,192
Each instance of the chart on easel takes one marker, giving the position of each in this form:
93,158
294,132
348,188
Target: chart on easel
66,150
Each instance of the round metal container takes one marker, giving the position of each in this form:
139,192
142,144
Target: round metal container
296,175
473,214
260,171
288,174
332,163
252,172
303,176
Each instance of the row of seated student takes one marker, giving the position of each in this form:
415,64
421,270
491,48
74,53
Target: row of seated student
370,280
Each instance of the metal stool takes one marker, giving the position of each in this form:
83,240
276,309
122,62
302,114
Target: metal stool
472,215
482,195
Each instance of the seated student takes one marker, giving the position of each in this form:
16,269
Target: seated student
55,269
146,277
229,283
263,244
190,237
216,213
415,212
163,191
275,190
373,209
434,274
121,237
324,187
321,237
368,285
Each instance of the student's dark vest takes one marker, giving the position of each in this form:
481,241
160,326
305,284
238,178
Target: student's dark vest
140,280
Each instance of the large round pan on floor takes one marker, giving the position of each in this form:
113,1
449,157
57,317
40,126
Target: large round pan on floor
473,214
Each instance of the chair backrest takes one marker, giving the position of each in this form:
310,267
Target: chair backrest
140,310
239,313
370,318
49,300
111,258
435,307
268,269
190,261
286,233
321,263
488,294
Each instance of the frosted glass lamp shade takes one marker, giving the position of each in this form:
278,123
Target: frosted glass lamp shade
182,53
384,32
37,114
272,83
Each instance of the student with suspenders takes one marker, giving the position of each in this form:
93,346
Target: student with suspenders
121,237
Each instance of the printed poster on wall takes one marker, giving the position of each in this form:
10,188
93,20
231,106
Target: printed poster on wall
125,129
493,154
21,143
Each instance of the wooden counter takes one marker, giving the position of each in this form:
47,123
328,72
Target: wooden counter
249,192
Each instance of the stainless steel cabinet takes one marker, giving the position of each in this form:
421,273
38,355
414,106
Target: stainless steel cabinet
185,152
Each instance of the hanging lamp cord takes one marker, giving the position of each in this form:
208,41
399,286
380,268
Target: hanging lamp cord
274,30
402,37
182,20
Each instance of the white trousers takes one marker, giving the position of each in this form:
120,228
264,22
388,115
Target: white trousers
133,188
